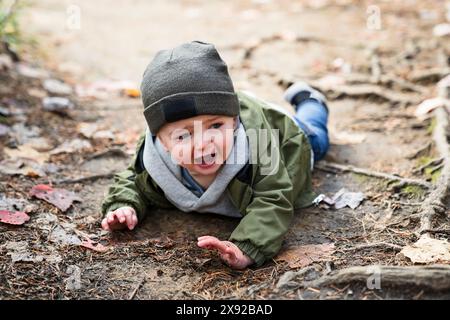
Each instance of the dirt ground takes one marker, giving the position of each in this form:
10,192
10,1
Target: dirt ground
267,44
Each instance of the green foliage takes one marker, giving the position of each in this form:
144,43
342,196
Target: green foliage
433,175
431,127
414,191
423,160
9,25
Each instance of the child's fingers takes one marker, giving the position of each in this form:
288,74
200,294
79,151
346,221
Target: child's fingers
105,224
206,237
213,244
120,216
110,217
129,220
134,219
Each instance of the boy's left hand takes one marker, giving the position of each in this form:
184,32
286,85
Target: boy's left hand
229,252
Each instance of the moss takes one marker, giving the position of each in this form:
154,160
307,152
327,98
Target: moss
423,160
432,126
414,191
9,24
360,178
434,176
4,120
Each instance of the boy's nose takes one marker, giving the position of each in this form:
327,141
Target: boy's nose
201,143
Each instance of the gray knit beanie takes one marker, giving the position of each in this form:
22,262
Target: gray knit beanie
184,82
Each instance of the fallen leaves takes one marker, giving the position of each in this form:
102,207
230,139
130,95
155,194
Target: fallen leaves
341,199
345,198
428,250
19,251
23,167
26,152
88,243
60,198
103,89
71,146
302,256
163,242
61,236
13,217
94,131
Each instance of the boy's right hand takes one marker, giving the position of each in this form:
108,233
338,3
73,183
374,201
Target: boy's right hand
120,219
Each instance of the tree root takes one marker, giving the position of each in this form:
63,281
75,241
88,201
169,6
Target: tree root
324,165
85,179
429,75
435,277
432,162
433,204
381,245
365,90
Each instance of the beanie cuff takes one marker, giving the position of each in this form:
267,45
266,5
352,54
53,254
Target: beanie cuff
190,104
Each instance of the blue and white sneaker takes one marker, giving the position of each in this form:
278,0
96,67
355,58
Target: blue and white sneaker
300,91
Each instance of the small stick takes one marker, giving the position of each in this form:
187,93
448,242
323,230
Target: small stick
376,245
111,152
133,293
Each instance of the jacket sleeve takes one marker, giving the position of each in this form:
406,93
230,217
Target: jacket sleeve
124,191
268,216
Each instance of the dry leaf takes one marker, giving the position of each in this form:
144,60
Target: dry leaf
60,198
24,167
71,146
131,92
162,242
88,243
302,256
87,129
27,152
13,217
428,250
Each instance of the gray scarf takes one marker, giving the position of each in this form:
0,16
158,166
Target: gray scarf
215,199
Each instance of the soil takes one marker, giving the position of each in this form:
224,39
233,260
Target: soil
160,258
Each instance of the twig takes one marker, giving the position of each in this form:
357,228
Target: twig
133,293
324,165
435,277
88,178
375,245
110,152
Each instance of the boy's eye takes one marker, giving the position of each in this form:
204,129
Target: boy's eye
182,136
216,125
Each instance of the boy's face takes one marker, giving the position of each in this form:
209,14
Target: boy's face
200,144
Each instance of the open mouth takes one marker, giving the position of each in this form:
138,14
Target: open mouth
206,161
209,159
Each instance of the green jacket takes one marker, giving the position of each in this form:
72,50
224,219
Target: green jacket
266,201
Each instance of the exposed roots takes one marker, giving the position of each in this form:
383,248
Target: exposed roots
436,277
434,203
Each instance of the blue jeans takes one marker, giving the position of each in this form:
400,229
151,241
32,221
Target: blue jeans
312,117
